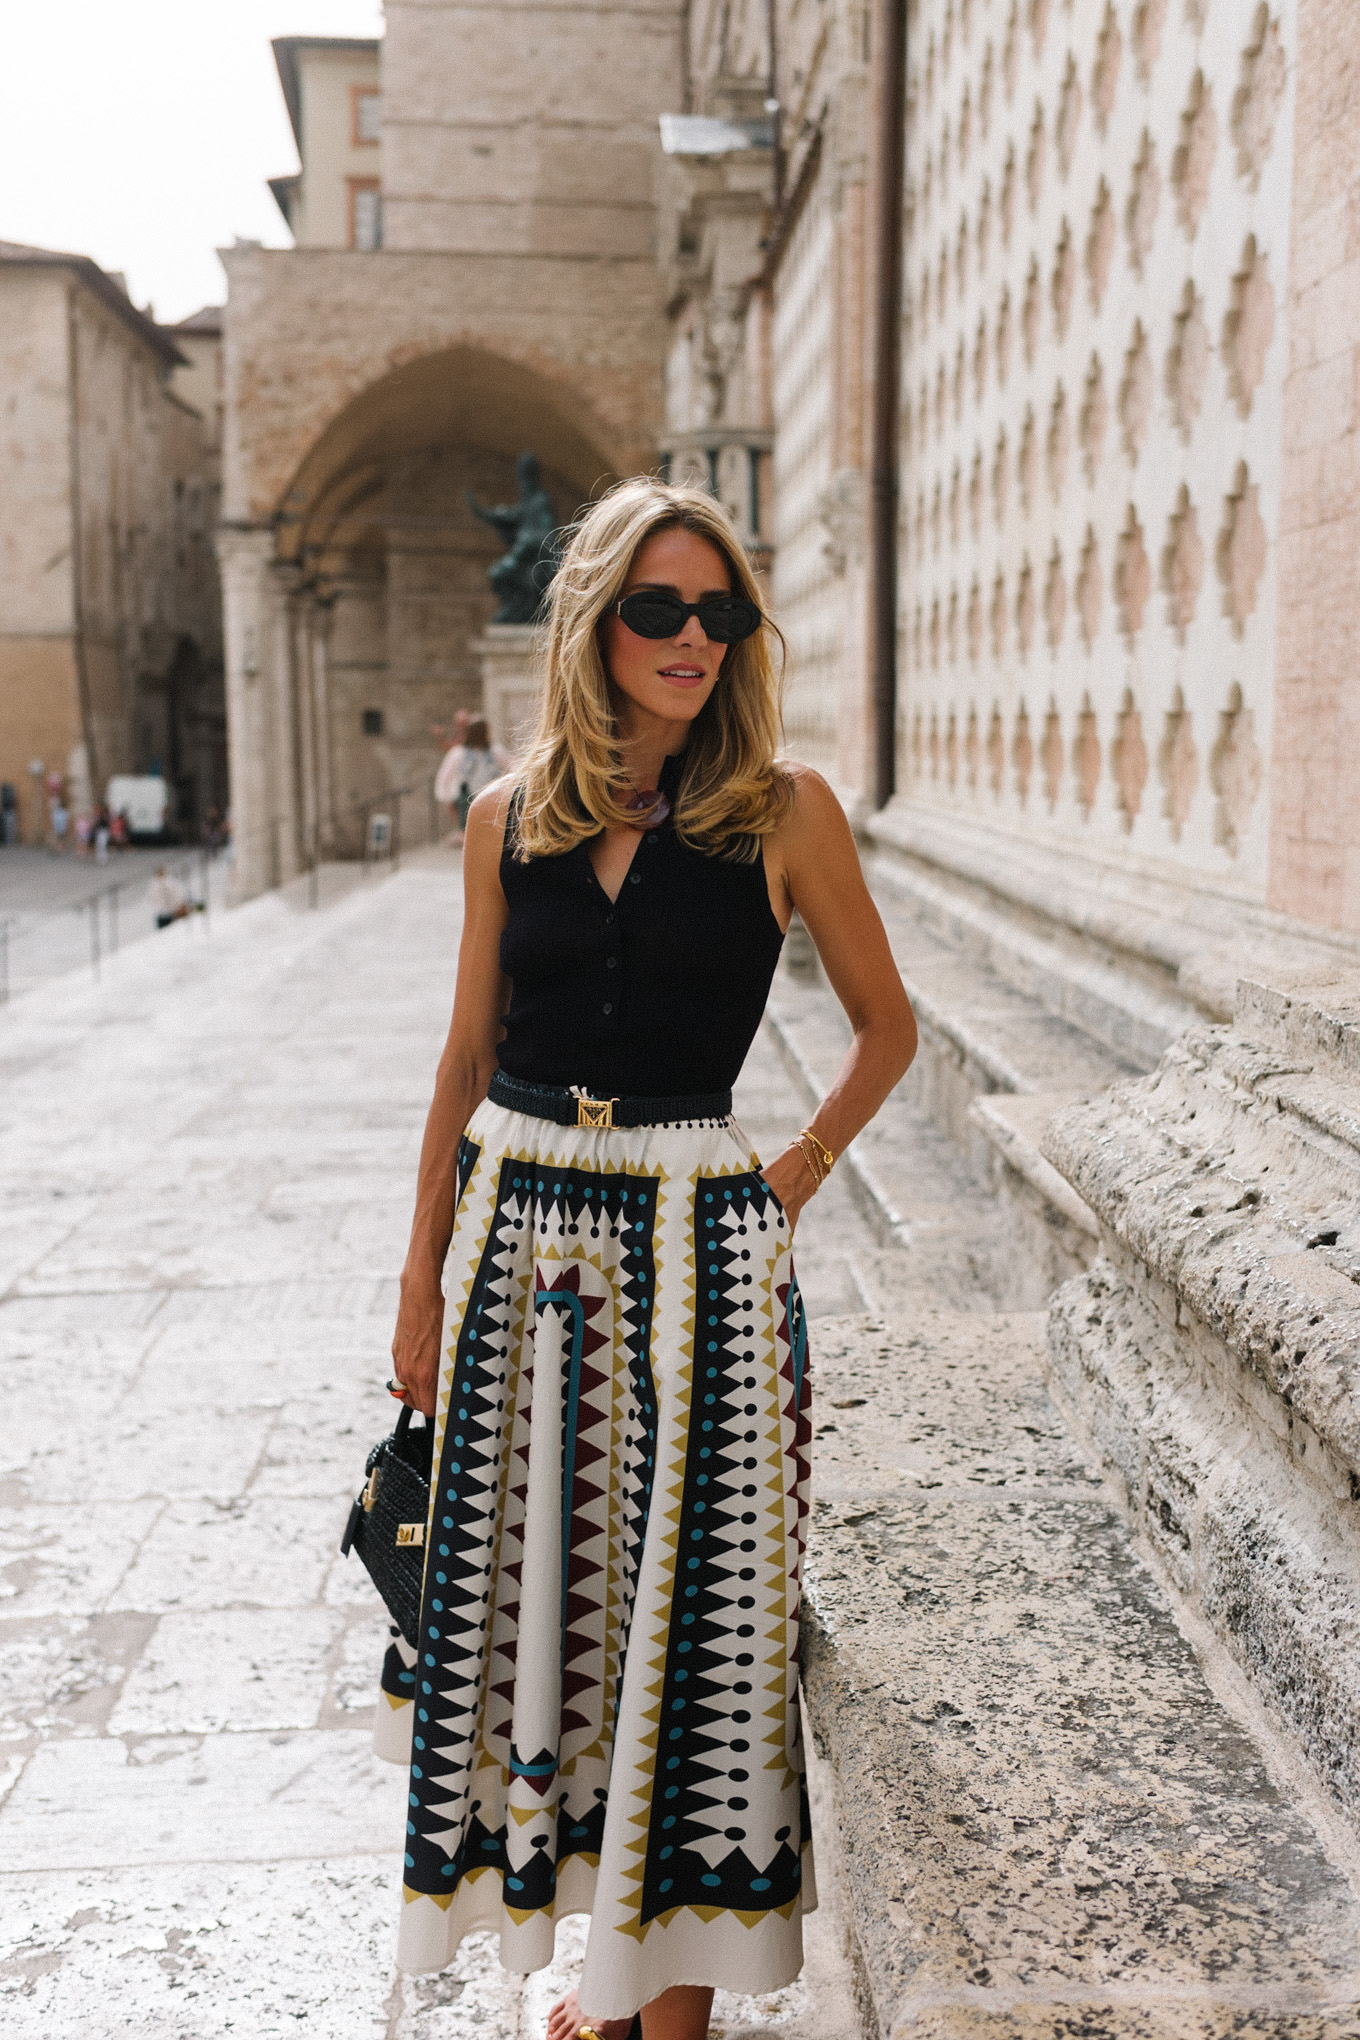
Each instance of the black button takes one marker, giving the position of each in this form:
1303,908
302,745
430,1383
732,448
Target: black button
652,837
635,878
609,920
613,962
609,1009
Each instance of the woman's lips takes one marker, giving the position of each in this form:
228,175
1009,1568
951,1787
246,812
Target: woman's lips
683,676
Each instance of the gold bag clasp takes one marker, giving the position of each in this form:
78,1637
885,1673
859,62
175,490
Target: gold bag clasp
410,1533
595,1111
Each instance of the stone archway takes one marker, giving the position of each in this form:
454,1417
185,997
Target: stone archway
351,614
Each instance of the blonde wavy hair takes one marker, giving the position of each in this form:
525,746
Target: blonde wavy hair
732,792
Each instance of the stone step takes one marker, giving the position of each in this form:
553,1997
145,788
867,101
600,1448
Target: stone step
1051,1822
1211,1354
927,1175
1013,1026
930,1221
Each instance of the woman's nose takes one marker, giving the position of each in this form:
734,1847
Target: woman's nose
692,637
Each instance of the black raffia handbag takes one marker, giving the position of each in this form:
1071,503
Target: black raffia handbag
387,1522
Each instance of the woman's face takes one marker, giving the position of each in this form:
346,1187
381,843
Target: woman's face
670,678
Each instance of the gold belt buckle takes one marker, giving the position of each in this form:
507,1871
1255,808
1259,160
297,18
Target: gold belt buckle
594,1111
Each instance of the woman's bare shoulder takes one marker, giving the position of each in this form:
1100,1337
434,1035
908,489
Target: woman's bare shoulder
484,837
489,810
815,809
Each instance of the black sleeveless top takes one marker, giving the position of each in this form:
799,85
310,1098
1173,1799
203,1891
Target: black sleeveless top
657,993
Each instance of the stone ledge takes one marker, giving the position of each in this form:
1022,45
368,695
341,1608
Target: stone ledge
1052,1233
1129,949
1085,986
1051,1825
1225,1174
1015,1125
1238,1516
1212,1355
812,1074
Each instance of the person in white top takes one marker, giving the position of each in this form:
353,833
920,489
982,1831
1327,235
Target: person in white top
467,769
167,898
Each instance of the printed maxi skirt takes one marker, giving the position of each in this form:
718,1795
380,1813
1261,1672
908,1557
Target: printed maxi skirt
602,1714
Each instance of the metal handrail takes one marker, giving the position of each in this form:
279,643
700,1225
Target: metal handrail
93,902
101,905
393,796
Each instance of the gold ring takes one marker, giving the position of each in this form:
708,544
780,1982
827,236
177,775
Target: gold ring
588,2033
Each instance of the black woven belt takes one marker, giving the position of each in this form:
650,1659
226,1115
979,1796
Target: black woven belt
570,1108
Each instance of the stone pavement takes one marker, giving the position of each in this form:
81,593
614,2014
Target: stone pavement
1063,1816
208,1164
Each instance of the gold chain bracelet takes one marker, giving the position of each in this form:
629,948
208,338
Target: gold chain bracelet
828,1160
816,1154
814,1168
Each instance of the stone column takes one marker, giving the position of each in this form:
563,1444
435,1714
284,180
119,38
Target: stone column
303,608
510,686
244,554
323,619
287,786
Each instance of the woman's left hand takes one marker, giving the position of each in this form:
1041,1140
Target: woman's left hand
790,1178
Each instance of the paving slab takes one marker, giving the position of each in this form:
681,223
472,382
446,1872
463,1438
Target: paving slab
1053,1824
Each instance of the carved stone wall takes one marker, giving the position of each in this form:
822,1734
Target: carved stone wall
1098,211
807,588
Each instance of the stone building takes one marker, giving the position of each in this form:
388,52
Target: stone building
110,650
1046,315
497,292
1019,339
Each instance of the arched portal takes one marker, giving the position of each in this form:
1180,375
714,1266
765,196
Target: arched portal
393,562
367,593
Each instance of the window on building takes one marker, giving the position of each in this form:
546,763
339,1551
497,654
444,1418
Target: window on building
373,722
365,213
366,114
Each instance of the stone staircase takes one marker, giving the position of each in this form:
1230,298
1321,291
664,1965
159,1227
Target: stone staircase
1062,1805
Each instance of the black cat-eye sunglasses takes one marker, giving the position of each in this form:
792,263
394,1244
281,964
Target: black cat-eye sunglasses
652,613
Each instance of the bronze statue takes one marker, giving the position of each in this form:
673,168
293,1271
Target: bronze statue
529,528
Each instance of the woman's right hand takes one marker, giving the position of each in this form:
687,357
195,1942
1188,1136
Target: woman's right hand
416,1348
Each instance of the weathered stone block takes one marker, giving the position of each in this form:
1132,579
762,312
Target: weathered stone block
1212,1355
1050,1825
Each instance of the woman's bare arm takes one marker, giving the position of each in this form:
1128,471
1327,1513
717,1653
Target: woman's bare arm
814,855
465,1070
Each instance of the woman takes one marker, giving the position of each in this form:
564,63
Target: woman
468,768
604,1704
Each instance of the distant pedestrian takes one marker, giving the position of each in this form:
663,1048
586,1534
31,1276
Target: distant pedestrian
84,834
468,769
455,734
167,898
118,830
61,822
101,836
